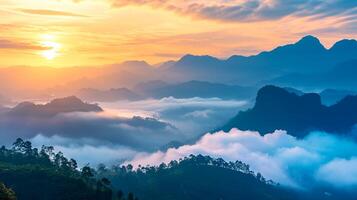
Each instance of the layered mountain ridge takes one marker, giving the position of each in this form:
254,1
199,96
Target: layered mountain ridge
276,108
306,56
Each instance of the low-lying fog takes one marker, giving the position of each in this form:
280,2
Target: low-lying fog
124,128
156,131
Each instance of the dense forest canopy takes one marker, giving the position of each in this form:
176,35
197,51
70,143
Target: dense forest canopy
195,177
43,174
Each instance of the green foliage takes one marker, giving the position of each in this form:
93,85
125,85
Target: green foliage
196,177
6,193
45,175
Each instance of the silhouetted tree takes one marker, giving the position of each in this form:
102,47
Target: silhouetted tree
87,172
73,164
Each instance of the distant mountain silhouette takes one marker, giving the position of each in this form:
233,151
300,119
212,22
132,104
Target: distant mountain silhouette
344,48
56,106
276,108
341,76
126,74
304,63
111,95
192,89
197,63
328,96
306,56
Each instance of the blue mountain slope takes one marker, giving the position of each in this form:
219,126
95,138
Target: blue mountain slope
277,108
306,56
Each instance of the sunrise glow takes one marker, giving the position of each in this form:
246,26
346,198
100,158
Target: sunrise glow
178,99
107,31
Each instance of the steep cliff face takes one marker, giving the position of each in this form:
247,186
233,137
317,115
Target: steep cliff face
276,108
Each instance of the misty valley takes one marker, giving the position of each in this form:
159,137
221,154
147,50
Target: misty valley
178,100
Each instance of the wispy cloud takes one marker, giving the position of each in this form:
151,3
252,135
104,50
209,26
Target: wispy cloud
8,44
49,12
249,10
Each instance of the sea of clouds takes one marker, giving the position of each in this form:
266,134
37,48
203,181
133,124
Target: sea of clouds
300,163
192,116
123,129
117,137
144,125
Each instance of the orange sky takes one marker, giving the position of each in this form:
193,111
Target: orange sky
62,33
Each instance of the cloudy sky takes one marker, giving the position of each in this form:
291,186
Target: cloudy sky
92,32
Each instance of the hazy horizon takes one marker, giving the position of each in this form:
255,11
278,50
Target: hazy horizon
178,99
158,31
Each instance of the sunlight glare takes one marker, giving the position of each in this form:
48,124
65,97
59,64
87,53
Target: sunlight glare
53,47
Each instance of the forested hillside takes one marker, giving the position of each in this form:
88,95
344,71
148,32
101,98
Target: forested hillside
42,174
196,177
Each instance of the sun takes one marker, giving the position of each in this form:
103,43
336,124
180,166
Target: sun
52,47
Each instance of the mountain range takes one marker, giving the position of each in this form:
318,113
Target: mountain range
277,108
341,76
56,106
159,89
306,63
306,56
302,64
